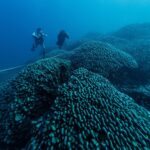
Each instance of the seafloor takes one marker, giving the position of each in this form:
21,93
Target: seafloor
93,95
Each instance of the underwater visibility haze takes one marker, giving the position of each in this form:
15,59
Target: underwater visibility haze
20,18
75,74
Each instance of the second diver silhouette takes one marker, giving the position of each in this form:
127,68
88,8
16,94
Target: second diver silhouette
62,36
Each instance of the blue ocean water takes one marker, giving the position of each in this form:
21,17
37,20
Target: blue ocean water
91,92
18,19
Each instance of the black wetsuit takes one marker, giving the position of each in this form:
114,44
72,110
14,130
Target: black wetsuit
61,38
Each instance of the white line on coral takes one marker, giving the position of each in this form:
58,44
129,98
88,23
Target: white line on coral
8,69
16,67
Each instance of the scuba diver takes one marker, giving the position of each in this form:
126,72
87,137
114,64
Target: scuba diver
62,36
39,36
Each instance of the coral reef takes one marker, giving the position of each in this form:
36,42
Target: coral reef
104,59
90,113
54,103
30,95
36,83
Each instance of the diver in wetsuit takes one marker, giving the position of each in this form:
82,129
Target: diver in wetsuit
39,36
62,36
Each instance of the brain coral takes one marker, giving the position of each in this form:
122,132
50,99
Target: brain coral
90,113
29,95
103,58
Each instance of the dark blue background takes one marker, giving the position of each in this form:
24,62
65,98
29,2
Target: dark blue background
19,18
